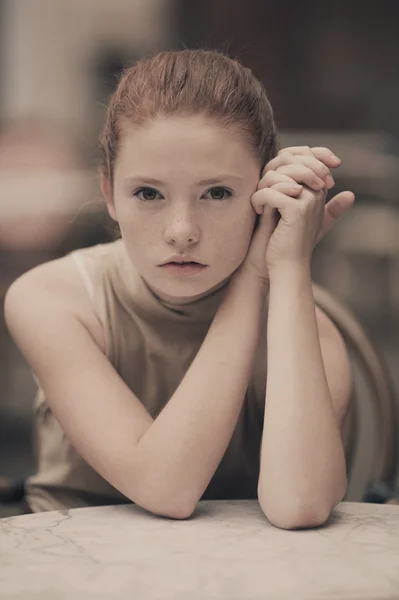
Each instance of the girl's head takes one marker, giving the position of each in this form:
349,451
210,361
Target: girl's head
186,136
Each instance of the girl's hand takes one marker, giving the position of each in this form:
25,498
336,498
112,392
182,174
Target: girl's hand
290,201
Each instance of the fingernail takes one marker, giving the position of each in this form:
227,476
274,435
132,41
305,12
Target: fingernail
330,181
335,157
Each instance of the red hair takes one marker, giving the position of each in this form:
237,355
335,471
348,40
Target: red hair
189,82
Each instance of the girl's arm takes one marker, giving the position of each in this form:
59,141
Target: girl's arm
180,452
303,473
163,465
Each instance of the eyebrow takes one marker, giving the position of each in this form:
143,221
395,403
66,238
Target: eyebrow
212,180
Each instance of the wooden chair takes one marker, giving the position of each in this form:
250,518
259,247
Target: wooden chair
378,386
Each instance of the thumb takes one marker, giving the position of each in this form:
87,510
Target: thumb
334,210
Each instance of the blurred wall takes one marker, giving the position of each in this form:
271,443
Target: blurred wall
49,49
325,64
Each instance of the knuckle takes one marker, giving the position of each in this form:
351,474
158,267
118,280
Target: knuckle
288,169
320,149
266,168
334,210
260,195
286,155
324,170
269,177
270,193
261,184
280,186
309,173
309,201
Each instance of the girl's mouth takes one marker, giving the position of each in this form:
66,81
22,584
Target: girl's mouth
187,268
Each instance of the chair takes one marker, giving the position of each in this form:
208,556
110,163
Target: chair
377,384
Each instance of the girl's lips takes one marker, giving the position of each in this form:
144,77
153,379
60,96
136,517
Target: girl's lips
184,268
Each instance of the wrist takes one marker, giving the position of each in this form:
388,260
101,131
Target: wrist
290,272
251,279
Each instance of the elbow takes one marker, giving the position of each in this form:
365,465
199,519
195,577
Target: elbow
154,494
158,503
301,511
309,517
296,515
177,512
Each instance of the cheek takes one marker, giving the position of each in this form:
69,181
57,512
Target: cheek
135,225
235,238
243,226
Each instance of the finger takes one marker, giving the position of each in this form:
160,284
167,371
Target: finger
265,225
283,158
267,222
288,189
321,152
303,174
321,170
285,188
326,156
297,150
271,198
273,177
334,210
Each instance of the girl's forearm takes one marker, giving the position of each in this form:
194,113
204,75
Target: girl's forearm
179,453
302,473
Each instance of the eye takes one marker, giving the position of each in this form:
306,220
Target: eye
147,194
219,193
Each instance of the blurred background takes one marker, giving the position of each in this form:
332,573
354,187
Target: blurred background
330,69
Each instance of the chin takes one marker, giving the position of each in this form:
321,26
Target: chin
181,289
185,289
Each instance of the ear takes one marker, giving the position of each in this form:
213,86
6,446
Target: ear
106,189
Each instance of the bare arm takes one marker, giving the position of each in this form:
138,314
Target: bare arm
302,470
303,474
185,444
163,465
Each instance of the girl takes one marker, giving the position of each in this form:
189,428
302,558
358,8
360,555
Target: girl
187,360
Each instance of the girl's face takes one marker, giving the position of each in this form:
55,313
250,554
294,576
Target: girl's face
182,186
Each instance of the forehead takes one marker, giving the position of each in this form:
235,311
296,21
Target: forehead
193,143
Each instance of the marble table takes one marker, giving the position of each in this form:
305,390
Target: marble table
227,550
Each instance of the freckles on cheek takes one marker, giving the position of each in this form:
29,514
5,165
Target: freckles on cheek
245,226
231,243
138,224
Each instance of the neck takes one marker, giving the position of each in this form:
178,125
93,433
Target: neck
179,301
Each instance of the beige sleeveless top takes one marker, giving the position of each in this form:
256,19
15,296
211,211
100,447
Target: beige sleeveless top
151,343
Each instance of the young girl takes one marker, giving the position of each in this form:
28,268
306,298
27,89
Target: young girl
187,360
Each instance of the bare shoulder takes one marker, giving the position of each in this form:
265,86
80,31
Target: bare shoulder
55,283
49,315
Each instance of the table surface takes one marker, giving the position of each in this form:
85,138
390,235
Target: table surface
227,550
